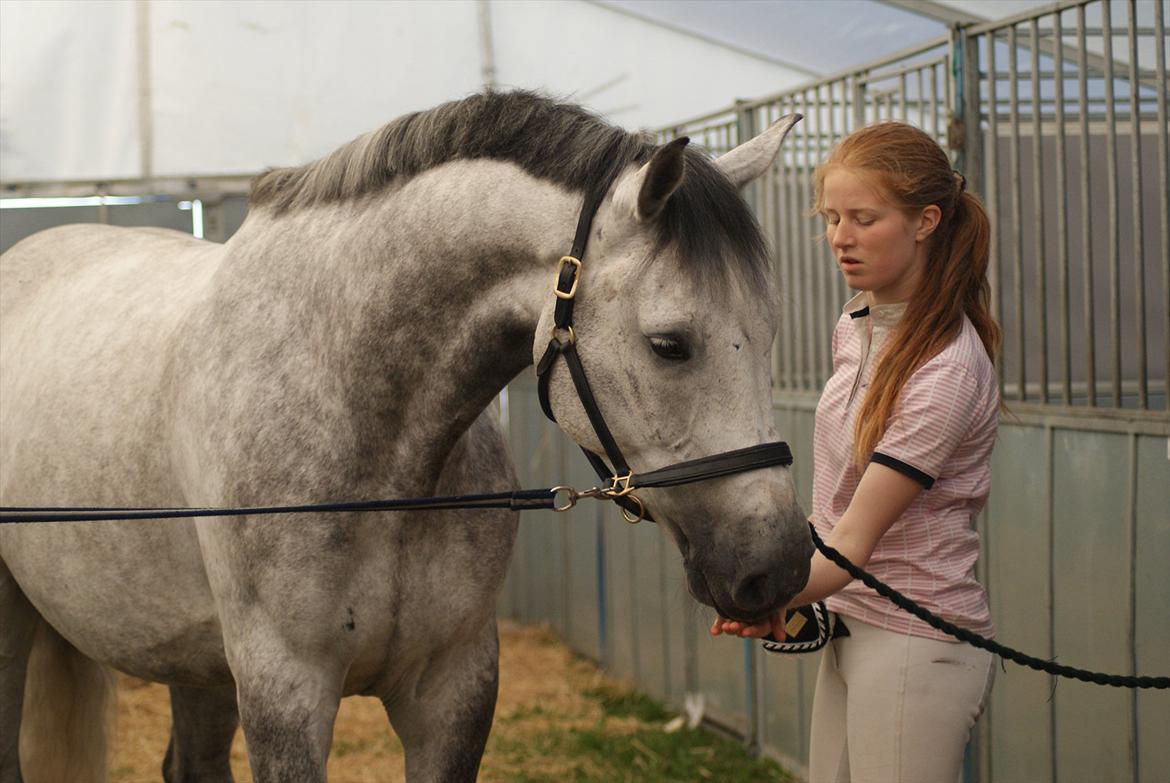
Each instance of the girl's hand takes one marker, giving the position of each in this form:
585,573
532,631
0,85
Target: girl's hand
774,625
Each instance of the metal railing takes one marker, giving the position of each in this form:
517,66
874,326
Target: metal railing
1081,230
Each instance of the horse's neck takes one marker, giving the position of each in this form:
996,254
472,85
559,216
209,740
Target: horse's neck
420,304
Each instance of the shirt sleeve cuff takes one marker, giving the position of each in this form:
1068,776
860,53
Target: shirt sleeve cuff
925,479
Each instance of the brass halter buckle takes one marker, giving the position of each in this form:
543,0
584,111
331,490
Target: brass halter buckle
619,486
576,262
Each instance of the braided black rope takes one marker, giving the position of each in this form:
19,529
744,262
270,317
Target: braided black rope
963,635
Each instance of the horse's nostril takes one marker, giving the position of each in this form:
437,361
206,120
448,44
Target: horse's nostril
755,592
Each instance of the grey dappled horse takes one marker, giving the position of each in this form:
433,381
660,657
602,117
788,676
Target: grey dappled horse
343,345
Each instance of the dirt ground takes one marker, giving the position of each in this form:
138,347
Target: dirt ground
543,688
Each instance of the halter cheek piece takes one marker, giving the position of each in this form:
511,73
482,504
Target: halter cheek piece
622,481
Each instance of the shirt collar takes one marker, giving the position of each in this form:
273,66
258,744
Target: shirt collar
882,315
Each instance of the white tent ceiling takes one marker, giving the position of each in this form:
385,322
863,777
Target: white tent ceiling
121,89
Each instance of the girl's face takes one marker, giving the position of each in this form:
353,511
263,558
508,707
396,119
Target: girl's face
879,247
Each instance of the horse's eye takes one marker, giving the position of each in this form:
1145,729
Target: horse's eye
670,348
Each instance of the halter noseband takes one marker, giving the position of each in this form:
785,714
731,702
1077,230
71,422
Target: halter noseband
622,481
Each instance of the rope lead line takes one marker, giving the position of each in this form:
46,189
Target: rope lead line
520,500
532,499
962,634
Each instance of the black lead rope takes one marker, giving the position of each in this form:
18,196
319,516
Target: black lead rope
725,464
537,499
520,500
974,639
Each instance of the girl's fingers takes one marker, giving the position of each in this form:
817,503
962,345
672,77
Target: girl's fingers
755,630
778,626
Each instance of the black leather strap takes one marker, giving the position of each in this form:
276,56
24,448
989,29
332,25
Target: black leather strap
520,500
577,371
563,343
764,455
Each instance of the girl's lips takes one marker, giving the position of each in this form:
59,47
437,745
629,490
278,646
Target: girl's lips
849,261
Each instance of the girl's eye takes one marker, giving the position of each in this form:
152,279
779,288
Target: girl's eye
670,348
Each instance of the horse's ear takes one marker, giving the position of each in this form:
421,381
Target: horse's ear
648,190
752,158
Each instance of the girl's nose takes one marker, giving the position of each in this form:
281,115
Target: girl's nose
841,237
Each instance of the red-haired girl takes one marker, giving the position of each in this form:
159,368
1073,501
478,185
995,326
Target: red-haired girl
902,447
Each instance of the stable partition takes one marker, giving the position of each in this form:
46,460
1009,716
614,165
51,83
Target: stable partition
1076,543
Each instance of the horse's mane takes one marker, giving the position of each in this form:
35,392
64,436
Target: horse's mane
561,142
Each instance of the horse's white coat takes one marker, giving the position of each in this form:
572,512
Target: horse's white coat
348,351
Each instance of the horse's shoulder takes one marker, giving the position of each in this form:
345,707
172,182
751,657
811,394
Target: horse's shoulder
480,458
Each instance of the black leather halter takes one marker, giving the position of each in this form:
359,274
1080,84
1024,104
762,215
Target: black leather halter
622,480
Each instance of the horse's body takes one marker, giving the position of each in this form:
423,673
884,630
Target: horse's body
344,344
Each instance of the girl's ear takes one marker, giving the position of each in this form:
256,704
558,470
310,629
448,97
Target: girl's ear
927,222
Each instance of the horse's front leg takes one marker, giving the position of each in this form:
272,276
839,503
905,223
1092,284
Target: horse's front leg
204,722
287,701
444,721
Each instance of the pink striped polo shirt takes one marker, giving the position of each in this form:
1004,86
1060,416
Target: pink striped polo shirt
941,435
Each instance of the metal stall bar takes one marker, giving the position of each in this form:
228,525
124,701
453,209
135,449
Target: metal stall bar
920,99
823,310
807,253
1061,214
992,196
971,157
902,102
1114,219
791,321
1017,211
783,378
1086,211
839,287
1038,205
933,101
1164,183
952,96
1135,157
797,291
769,217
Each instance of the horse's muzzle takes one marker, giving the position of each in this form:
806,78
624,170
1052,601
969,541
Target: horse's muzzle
750,579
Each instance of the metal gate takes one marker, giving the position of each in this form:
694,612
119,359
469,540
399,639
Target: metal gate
1058,120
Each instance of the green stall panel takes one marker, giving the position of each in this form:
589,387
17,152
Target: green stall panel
1152,605
681,613
722,674
1091,577
1018,545
621,652
651,664
583,538
783,713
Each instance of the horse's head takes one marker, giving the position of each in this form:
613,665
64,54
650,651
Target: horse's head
674,322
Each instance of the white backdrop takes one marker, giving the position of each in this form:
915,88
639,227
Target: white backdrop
234,87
